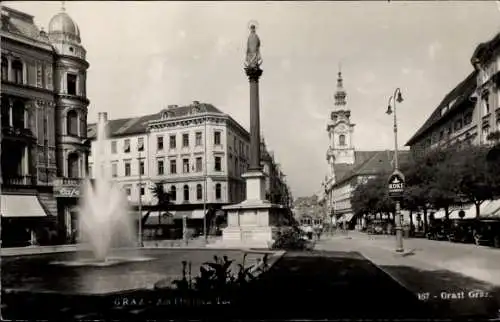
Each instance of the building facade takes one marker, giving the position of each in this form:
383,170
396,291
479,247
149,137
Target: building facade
277,189
470,112
196,151
347,167
43,119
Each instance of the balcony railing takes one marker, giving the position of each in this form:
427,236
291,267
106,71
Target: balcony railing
10,131
19,181
68,181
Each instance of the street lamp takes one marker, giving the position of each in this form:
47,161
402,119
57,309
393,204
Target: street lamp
391,109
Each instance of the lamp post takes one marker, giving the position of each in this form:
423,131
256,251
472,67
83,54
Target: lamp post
391,109
140,199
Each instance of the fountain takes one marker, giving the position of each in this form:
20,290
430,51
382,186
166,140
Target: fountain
103,218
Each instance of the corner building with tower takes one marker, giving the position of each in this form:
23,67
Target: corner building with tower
43,121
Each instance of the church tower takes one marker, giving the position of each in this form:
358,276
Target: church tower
340,130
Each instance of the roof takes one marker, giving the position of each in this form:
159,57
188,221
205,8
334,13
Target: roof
457,96
369,163
139,125
484,51
20,23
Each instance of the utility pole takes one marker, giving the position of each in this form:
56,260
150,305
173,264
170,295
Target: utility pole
140,196
205,233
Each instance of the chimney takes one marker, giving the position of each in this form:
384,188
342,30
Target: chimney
102,117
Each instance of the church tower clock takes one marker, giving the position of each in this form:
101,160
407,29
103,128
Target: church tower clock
340,130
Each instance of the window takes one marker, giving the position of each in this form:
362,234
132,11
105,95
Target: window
159,143
73,161
186,192
173,142
218,192
235,143
142,190
72,123
468,118
140,144
128,191
236,165
217,137
5,68
126,146
486,132
173,193
185,140
198,136
173,166
89,171
185,165
127,168
114,170
141,167
441,134
199,192
486,104
218,164
71,83
113,147
199,166
17,71
458,125
341,139
160,166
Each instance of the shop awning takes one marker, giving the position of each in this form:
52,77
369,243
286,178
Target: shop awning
197,214
470,212
164,218
346,217
21,206
491,209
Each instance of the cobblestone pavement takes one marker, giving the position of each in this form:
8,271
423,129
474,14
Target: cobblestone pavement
457,279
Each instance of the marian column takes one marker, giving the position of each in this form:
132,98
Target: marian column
253,222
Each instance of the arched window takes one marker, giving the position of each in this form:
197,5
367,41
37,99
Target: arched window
218,192
199,192
72,123
186,192
5,68
73,160
17,71
173,193
341,139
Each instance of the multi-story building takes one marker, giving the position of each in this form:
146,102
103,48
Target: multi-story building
277,190
43,121
198,152
470,112
347,166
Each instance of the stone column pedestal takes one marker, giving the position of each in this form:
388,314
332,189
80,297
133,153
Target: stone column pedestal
254,222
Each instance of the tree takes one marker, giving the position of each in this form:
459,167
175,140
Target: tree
476,180
162,200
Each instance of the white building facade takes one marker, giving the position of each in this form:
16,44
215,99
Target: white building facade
196,151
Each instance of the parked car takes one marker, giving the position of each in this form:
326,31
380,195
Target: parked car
487,232
462,230
439,229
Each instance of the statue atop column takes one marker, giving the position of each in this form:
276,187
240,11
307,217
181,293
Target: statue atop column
253,59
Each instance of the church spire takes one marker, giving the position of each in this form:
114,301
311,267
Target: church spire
340,94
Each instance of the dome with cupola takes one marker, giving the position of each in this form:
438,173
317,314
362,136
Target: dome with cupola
62,24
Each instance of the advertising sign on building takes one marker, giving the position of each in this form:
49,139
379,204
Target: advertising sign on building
67,192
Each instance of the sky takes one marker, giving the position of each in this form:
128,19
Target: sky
146,55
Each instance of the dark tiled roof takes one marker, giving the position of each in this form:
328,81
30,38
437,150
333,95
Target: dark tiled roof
20,23
138,125
461,93
484,50
369,163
